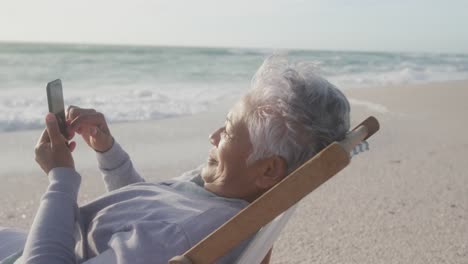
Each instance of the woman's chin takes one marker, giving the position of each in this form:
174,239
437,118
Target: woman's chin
208,173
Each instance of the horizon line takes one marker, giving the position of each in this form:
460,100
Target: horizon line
219,47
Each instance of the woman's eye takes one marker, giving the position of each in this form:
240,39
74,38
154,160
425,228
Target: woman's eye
225,134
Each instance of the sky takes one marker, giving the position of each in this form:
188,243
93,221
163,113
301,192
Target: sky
367,25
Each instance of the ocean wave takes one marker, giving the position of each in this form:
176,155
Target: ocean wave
144,83
404,75
23,110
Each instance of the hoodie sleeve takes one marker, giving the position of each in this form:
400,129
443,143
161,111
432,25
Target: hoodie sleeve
51,237
117,168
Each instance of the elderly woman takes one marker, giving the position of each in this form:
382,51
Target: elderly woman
289,115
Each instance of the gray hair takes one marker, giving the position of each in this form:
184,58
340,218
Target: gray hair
292,112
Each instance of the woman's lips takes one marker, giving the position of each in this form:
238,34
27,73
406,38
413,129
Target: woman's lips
211,155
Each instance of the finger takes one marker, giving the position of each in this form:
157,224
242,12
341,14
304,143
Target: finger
67,113
44,138
96,132
93,131
75,111
70,132
53,130
86,129
87,120
100,133
72,145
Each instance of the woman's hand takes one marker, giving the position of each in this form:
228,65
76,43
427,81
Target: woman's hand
91,125
52,150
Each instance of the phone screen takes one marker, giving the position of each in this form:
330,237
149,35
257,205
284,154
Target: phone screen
56,104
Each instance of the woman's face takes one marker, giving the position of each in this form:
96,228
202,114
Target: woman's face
226,172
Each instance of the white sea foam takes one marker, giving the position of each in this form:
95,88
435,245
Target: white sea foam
397,77
22,110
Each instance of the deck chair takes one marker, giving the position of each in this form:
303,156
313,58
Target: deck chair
274,208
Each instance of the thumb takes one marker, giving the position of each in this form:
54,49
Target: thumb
53,129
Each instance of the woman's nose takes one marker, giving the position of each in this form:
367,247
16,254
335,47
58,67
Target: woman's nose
215,137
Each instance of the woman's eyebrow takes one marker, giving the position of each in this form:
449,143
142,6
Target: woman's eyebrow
229,124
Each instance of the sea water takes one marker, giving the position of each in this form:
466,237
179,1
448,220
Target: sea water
129,83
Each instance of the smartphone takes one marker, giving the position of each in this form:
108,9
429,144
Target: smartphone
56,104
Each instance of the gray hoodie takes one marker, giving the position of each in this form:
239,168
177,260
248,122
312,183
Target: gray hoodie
135,222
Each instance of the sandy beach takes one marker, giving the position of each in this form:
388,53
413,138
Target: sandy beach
404,201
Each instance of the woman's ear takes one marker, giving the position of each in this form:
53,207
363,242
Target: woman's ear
272,171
